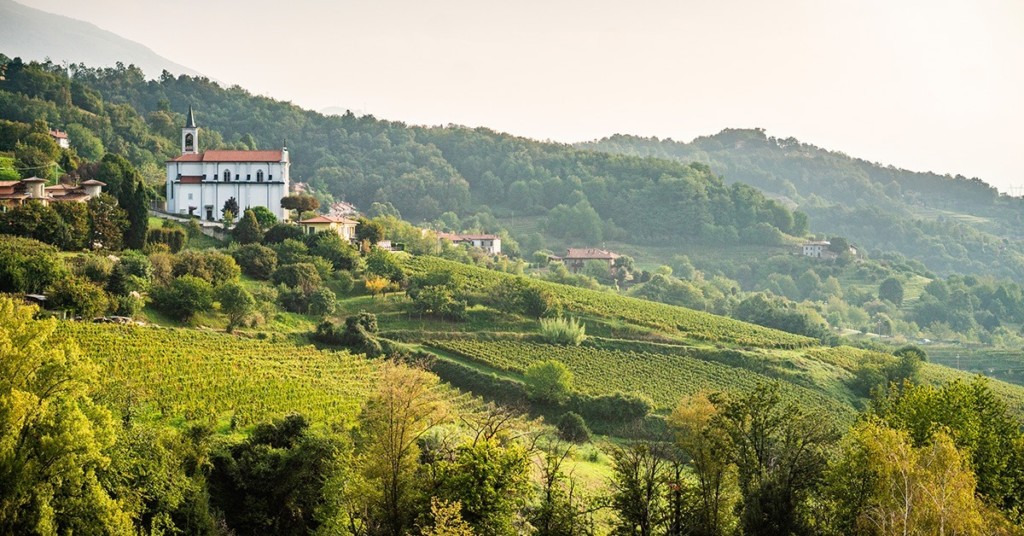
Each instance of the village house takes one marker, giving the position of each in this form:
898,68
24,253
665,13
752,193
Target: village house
344,227
819,249
199,183
576,258
487,242
14,193
61,138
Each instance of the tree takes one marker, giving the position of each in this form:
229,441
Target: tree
302,276
126,184
107,223
256,261
184,297
280,232
548,382
236,302
248,229
376,285
264,217
446,520
300,203
405,406
708,448
572,427
891,290
637,494
838,245
779,453
28,265
332,247
369,231
53,437
383,264
231,205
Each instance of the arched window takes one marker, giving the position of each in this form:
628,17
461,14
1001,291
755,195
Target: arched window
259,176
227,175
189,142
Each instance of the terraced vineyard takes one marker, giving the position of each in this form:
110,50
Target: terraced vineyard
686,322
665,377
177,374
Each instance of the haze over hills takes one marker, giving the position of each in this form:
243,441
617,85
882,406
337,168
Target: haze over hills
37,35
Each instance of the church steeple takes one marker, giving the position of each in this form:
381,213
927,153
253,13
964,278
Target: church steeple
190,134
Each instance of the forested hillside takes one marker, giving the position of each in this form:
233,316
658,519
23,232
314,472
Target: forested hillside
422,172
951,224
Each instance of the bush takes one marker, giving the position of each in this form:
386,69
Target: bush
322,302
184,297
281,232
211,266
567,331
302,276
97,268
28,265
548,382
173,238
132,273
129,305
572,427
256,261
356,333
616,407
330,246
78,296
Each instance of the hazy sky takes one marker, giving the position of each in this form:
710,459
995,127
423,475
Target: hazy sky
926,85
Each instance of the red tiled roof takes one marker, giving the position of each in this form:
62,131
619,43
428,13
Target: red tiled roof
590,253
191,179
328,219
92,182
9,184
58,134
231,156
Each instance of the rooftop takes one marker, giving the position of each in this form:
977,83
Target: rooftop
328,219
231,156
590,253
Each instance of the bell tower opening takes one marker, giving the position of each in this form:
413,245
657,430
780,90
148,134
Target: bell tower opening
190,134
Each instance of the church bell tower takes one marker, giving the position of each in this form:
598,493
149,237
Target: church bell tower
190,134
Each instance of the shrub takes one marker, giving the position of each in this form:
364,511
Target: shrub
356,333
256,261
333,248
567,331
322,302
572,427
236,303
211,266
303,276
248,230
97,268
344,281
132,273
78,296
129,305
28,265
548,382
280,232
184,297
173,238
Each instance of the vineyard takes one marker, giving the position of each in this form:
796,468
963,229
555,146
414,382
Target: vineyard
178,374
662,376
688,323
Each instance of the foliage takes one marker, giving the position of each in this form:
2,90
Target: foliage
636,488
302,276
210,265
27,265
572,427
230,207
256,260
264,217
300,203
236,302
565,331
184,297
548,382
376,285
174,238
274,481
107,222
248,230
79,297
383,264
358,333
131,273
280,232
335,249
53,437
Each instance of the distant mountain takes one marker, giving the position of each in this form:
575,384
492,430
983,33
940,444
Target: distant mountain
36,35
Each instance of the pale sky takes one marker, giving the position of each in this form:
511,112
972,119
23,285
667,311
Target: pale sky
928,85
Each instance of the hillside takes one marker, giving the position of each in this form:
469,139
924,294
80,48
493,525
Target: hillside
952,224
37,35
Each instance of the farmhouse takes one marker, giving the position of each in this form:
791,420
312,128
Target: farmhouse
199,183
575,258
14,193
487,242
820,249
61,138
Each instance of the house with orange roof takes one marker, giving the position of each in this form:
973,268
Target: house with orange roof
487,242
199,183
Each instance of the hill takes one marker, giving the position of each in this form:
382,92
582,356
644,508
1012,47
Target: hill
952,224
37,35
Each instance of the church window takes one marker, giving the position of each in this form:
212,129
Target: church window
248,177
189,142
227,175
259,176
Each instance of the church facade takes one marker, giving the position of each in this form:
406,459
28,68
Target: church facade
199,183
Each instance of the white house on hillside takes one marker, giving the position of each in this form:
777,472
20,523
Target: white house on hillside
199,183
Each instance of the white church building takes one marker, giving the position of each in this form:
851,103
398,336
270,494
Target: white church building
199,183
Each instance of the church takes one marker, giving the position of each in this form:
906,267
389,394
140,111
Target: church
199,183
